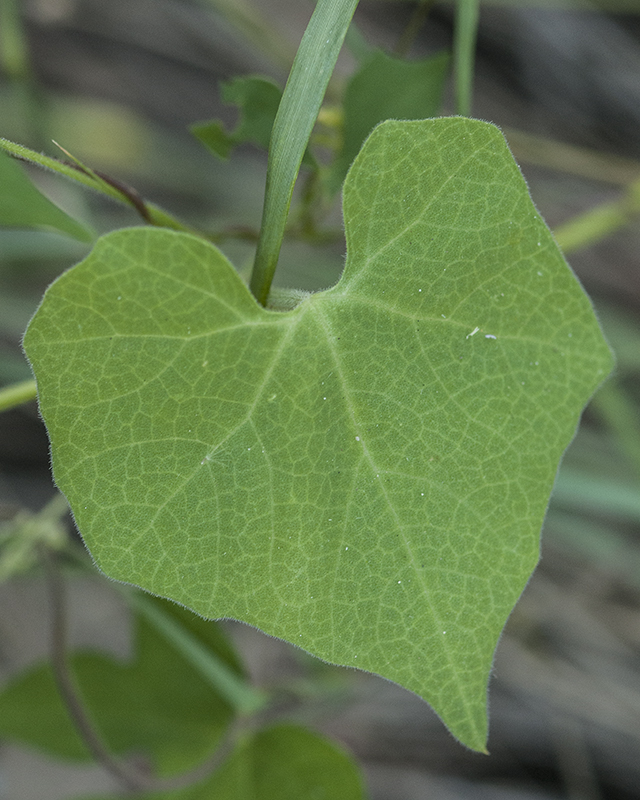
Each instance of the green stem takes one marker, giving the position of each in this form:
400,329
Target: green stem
14,55
464,49
92,179
568,158
303,95
16,394
599,222
243,698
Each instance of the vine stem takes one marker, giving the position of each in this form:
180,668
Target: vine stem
130,779
464,48
99,182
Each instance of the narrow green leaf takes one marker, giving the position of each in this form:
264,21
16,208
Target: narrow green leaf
387,88
158,705
365,475
303,94
23,206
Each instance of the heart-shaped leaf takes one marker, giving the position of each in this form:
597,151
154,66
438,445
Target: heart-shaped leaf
366,475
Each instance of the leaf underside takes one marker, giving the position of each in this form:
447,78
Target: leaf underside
365,476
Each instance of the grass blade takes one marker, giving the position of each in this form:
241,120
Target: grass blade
303,95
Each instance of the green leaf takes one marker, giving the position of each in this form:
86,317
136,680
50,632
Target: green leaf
158,704
387,88
284,762
23,206
258,100
366,475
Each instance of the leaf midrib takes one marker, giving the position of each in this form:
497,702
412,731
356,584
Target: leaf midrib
331,340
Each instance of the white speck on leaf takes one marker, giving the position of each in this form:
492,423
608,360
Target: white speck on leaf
490,336
473,332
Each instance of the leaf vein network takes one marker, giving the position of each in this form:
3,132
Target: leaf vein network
247,418
368,457
372,256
